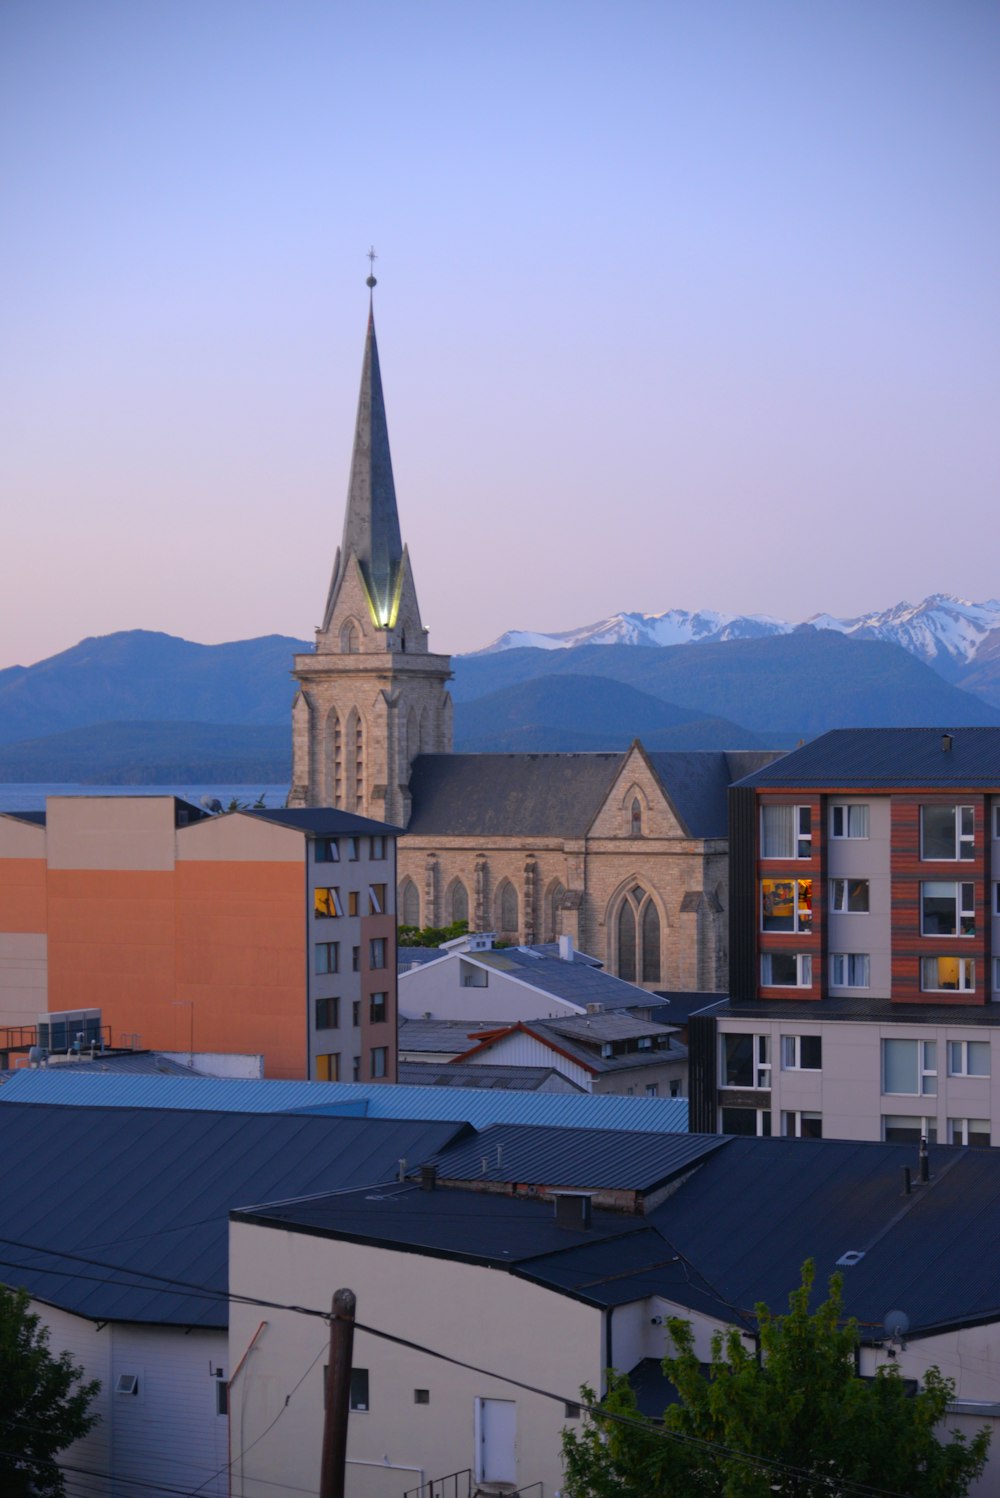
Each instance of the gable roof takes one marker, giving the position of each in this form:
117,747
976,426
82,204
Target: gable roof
579,1159
890,757
580,1039
697,785
149,1192
509,795
321,821
577,982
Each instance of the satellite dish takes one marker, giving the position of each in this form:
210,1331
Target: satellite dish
211,803
896,1324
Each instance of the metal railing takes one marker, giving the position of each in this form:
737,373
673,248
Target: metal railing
455,1485
532,1487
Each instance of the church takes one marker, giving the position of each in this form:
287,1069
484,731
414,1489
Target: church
625,852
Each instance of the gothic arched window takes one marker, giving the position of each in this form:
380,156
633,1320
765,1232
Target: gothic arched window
556,896
409,904
458,903
507,903
636,928
650,943
636,818
349,639
626,943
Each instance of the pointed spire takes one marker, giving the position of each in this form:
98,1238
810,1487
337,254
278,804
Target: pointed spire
371,524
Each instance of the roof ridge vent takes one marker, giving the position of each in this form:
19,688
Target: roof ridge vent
850,1258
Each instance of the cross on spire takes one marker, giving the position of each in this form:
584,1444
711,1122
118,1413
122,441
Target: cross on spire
372,257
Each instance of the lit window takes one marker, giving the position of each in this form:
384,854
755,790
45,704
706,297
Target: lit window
786,970
969,1131
327,903
327,957
968,1058
376,899
786,832
849,896
947,974
947,832
378,1008
376,952
849,820
746,1060
850,970
909,1066
327,1013
328,1067
786,904
947,909
796,1125
801,1052
327,850
379,1057
901,1128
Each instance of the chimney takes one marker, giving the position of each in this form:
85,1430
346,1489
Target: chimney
566,949
946,743
428,1177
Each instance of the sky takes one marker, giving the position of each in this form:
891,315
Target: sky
685,304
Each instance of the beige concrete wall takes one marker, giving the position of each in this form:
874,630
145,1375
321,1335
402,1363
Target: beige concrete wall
472,1313
236,836
23,977
436,988
110,832
21,839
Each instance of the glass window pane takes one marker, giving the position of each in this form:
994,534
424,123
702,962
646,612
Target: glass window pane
650,944
899,1066
738,1061
937,824
777,833
979,1058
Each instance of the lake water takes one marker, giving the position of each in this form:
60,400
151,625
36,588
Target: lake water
27,797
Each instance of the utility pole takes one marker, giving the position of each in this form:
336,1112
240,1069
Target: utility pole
332,1480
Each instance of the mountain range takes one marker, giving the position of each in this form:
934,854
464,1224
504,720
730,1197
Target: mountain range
139,707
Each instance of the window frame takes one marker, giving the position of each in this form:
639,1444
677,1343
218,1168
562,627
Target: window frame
792,1050
378,1013
801,925
326,850
333,899
843,906
925,1070
797,1116
323,1008
927,1125
332,951
760,1060
763,1122
378,1062
963,1127
377,953
848,958
802,836
963,914
376,848
966,973
844,808
377,901
803,969
962,839
963,1049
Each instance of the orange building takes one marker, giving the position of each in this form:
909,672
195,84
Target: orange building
269,932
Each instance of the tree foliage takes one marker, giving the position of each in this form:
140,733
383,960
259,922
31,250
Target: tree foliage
430,936
796,1421
43,1403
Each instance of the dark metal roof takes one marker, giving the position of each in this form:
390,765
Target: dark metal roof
149,1191
36,818
577,1159
509,795
578,982
444,1035
322,821
861,1010
468,1074
905,757
697,783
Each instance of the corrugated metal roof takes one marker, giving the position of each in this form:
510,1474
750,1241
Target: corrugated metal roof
861,1010
574,1159
150,1190
469,1075
890,757
371,1100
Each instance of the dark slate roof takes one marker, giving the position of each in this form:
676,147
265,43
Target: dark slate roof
36,818
149,1191
860,757
322,821
575,1041
462,1074
697,783
677,1008
859,1009
509,795
407,957
577,1159
440,1035
579,982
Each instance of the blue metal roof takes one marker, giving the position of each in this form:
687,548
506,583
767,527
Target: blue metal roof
347,1099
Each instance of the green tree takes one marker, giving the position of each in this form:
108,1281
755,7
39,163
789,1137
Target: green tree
43,1403
800,1406
430,936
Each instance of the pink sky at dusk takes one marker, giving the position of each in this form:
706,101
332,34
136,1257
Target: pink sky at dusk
680,305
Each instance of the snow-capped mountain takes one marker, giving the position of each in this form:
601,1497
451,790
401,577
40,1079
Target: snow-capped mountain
944,631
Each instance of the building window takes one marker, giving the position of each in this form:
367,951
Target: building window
376,952
947,832
326,957
947,974
850,970
755,1122
746,1060
459,902
796,1125
355,959
801,1052
421,1396
378,1011
652,1089
996,898
786,904
968,1058
909,1066
379,1057
996,977
221,1396
786,970
900,1128
376,899
968,1131
650,943
354,849
356,1013
359,1390
327,903
352,902
377,848
572,1411
327,850
849,896
328,1067
507,908
849,820
675,1087
409,912
947,909
996,821
786,832
637,937
355,1068
636,818
327,1014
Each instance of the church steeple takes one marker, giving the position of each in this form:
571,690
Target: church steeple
371,522
371,697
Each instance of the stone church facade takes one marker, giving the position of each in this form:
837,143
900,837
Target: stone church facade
626,852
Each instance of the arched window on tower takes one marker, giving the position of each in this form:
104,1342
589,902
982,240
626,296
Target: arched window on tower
458,902
409,904
507,908
636,817
349,638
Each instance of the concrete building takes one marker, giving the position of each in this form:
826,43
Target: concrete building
625,852
865,944
146,922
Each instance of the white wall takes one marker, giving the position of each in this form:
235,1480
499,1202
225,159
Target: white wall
436,988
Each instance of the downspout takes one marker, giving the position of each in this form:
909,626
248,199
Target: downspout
229,1409
609,1361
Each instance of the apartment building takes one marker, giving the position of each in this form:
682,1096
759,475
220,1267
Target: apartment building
141,920
864,944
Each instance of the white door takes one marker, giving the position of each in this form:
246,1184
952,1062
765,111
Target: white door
496,1434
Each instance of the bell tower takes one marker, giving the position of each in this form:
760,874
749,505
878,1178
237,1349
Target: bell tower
371,696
